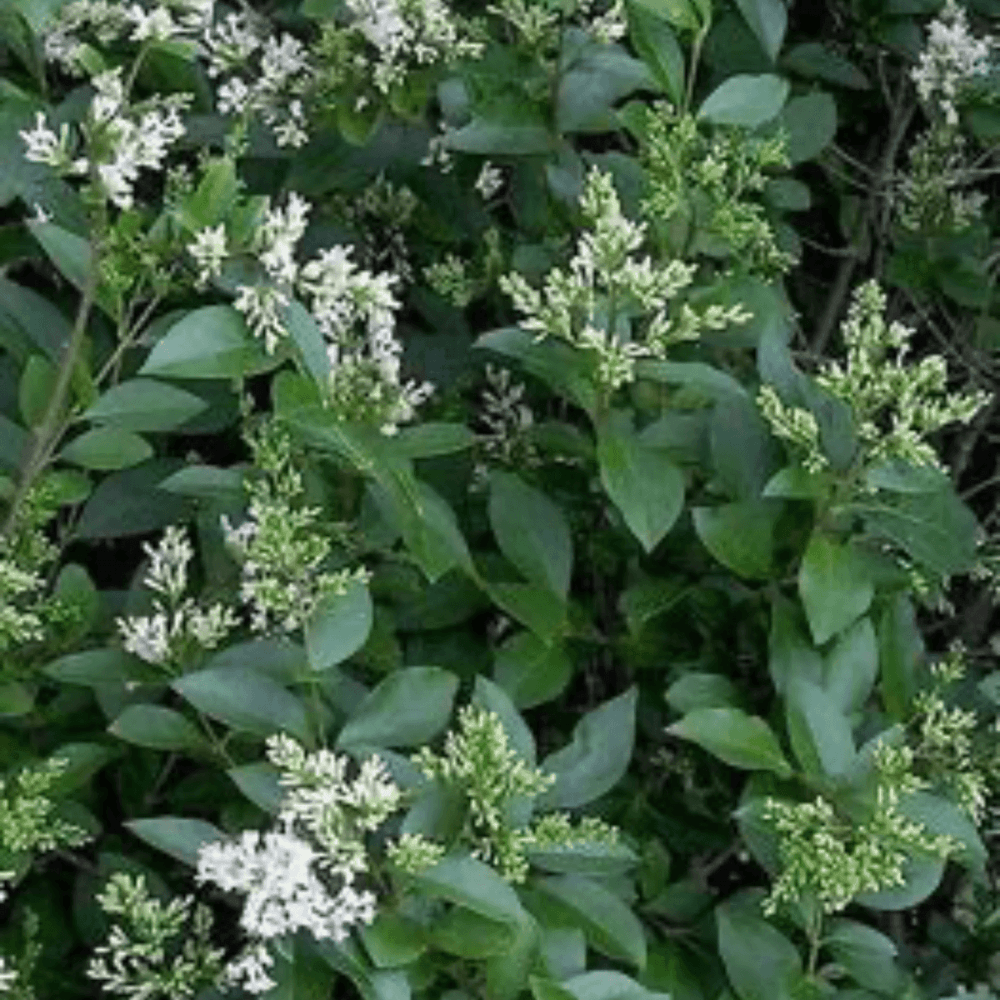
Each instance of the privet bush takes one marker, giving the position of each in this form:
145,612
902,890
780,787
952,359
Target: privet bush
497,499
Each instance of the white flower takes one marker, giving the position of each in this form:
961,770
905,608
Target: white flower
7,976
283,892
167,573
230,44
952,58
44,146
262,307
234,97
156,25
249,970
209,250
489,181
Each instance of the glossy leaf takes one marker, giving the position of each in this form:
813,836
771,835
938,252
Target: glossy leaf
175,835
597,756
742,740
106,449
834,586
339,626
408,708
745,100
157,727
144,404
768,20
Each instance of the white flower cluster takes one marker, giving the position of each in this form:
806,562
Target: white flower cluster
408,32
282,551
489,181
8,977
153,948
27,820
302,874
178,623
591,306
354,309
121,139
895,404
953,58
108,21
270,76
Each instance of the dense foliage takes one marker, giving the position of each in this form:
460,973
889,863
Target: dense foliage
499,500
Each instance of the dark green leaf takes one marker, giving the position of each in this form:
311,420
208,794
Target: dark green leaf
745,100
596,758
810,123
697,690
901,650
657,45
94,667
610,926
428,439
106,449
176,836
819,732
260,784
816,61
245,700
768,20
742,740
35,389
474,885
339,626
761,963
643,482
211,342
143,404
852,666
834,586
157,727
740,535
408,708
867,954
531,671
532,532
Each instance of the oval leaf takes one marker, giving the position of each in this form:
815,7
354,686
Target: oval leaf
741,740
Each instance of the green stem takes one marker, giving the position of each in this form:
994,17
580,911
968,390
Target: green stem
699,40
47,434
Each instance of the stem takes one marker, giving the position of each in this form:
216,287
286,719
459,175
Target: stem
699,40
46,435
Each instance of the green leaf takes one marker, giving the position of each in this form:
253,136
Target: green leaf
72,256
901,650
486,138
469,935
944,818
834,585
211,342
820,734
129,502
35,389
531,671
94,668
740,535
745,100
143,404
741,740
936,529
372,984
507,973
606,985
744,453
815,61
696,690
15,699
538,608
409,708
852,666
810,123
106,449
790,654
598,77
768,20
260,784
210,202
205,482
682,14
713,382
643,482
656,44
393,941
597,756
430,439
244,700
610,926
76,590
761,963
868,955
585,859
339,626
532,532
474,885
157,727
176,836
902,477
